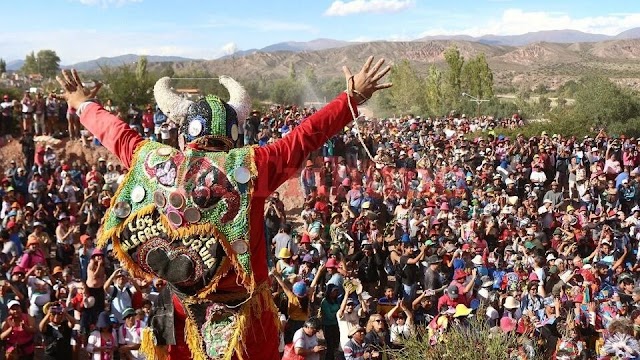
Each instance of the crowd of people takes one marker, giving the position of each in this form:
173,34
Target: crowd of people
409,228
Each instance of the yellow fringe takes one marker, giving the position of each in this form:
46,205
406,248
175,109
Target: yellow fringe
193,340
213,284
148,346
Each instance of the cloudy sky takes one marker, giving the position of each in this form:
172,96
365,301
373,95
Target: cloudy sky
80,30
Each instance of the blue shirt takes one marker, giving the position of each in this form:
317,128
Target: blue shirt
15,238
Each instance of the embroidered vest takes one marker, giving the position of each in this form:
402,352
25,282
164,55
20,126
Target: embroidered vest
184,217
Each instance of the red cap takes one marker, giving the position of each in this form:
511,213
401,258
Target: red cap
331,263
11,225
459,274
305,239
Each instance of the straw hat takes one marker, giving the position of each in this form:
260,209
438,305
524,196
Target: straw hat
511,303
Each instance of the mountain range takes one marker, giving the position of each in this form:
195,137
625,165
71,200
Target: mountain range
552,36
550,58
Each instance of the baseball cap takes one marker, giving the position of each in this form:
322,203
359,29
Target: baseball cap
128,312
453,291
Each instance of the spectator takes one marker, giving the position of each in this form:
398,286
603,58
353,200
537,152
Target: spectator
56,327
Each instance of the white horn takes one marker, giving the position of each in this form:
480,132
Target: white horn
172,104
239,99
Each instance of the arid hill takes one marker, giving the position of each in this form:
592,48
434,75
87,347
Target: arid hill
548,63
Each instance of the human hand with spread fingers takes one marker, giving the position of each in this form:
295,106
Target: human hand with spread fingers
74,91
363,84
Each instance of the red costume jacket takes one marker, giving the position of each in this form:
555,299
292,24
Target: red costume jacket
275,164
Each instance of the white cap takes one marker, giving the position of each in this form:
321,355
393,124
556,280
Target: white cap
547,201
594,149
403,201
551,257
12,303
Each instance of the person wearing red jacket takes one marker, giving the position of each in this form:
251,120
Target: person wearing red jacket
194,216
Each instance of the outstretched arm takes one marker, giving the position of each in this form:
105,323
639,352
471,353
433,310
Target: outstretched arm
113,133
284,157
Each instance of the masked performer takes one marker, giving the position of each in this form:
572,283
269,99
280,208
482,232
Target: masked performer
194,216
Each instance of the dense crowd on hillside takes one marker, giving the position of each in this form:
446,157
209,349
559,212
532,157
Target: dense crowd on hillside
421,231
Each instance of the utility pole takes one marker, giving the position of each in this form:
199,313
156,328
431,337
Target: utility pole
476,100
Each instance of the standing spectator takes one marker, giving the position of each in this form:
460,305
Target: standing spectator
273,217
53,106
129,334
103,341
96,278
305,341
159,119
27,112
56,329
39,109
7,127
121,292
17,333
354,348
308,178
65,238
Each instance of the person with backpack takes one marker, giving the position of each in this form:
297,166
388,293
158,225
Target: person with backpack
119,289
129,336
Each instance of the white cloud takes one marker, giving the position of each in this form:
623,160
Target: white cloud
230,48
517,21
107,3
343,8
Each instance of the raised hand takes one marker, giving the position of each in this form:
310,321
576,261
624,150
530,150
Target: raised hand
74,91
363,84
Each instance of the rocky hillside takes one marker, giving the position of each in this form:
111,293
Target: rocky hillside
542,62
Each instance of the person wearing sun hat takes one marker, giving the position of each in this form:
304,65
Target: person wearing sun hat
299,297
56,328
18,332
285,266
103,341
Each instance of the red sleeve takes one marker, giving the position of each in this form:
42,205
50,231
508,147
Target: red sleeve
113,133
284,157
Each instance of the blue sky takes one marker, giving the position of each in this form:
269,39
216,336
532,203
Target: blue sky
81,30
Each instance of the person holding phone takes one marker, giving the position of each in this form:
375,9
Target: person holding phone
56,328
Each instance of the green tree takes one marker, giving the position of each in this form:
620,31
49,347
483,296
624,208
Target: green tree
30,65
433,92
48,63
292,72
45,62
286,91
477,77
127,84
310,76
453,76
600,102
3,66
405,93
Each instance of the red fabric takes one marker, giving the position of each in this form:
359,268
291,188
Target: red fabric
276,163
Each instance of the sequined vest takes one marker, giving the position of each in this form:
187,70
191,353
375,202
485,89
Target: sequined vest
183,216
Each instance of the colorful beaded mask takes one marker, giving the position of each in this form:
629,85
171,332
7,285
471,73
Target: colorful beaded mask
209,121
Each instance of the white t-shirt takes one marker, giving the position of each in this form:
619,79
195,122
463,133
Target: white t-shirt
131,336
39,293
346,323
95,341
304,341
